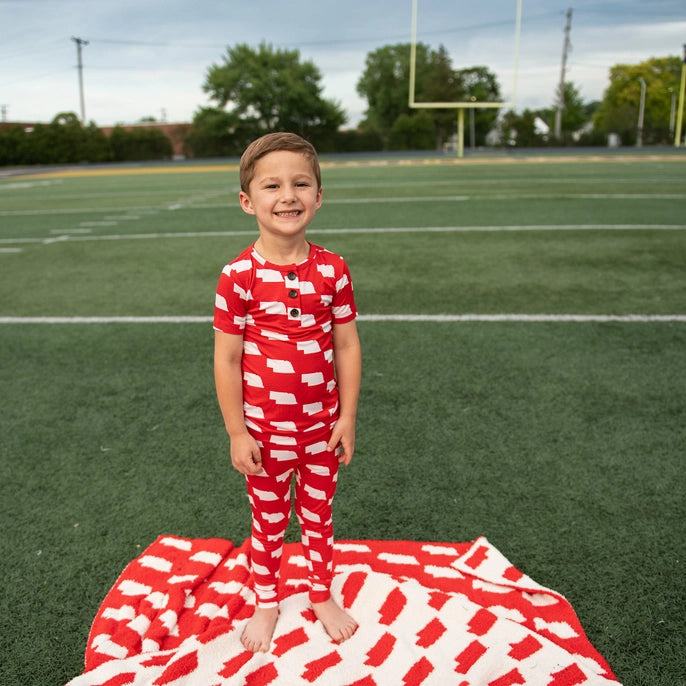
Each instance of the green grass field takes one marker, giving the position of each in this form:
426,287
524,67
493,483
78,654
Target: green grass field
562,441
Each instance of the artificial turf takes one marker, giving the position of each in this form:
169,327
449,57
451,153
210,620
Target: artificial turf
561,442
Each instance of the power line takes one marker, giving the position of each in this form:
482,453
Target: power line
330,41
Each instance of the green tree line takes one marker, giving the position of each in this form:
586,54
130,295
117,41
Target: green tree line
256,90
66,141
590,123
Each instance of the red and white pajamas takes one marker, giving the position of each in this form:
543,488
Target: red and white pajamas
285,314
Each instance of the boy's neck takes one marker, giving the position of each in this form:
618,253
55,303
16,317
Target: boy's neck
283,252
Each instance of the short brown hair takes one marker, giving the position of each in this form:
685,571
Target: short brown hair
275,142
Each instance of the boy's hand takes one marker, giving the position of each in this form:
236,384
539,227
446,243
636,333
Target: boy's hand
343,439
245,454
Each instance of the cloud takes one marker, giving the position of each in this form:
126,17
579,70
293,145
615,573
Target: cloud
145,57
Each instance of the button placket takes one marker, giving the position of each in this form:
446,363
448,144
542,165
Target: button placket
293,293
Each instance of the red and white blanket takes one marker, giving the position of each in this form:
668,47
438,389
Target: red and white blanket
429,613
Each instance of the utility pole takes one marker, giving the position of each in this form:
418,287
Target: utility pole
641,111
561,87
3,108
80,42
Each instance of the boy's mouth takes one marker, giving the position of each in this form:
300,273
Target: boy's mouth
290,213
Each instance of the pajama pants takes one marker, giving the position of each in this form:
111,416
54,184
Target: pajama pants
269,493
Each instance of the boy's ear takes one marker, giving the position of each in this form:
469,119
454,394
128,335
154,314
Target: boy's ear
246,203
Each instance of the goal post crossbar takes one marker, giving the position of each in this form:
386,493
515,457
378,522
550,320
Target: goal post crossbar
460,104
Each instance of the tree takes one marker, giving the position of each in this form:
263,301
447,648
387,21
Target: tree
385,85
618,111
520,129
66,139
96,146
272,90
481,85
13,144
575,114
63,141
217,133
412,132
441,84
139,143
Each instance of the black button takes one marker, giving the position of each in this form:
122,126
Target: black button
295,312
292,276
293,293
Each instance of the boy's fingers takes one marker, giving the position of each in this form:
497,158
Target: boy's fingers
251,464
344,454
255,463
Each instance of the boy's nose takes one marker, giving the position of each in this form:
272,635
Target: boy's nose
289,194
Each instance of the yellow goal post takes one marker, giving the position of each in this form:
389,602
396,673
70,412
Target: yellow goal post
461,106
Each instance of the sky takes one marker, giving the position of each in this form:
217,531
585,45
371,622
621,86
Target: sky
149,58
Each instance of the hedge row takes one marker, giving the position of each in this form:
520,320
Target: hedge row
66,141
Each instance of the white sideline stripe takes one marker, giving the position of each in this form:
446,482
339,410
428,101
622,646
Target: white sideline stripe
630,318
390,229
193,204
523,318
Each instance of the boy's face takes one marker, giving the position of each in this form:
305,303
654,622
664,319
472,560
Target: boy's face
283,194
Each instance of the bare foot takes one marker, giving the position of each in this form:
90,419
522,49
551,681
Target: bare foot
337,622
258,632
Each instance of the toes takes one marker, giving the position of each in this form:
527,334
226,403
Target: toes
349,631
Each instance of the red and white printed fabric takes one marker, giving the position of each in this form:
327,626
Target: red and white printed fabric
437,614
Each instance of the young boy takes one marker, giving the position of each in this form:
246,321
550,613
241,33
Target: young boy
287,371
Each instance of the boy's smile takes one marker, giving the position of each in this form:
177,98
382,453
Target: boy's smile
283,195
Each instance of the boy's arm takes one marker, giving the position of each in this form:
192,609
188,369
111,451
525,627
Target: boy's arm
228,379
348,362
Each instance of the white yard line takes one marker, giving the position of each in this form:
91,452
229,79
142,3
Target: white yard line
200,202
413,318
66,235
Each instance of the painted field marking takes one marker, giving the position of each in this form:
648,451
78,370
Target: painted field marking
411,318
394,162
195,204
370,230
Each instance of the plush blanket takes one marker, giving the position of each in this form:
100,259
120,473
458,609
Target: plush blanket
429,613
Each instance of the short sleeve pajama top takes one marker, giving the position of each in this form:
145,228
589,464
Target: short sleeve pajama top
285,314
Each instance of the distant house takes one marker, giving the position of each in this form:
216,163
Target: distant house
27,126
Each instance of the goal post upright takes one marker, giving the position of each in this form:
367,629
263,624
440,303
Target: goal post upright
460,106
